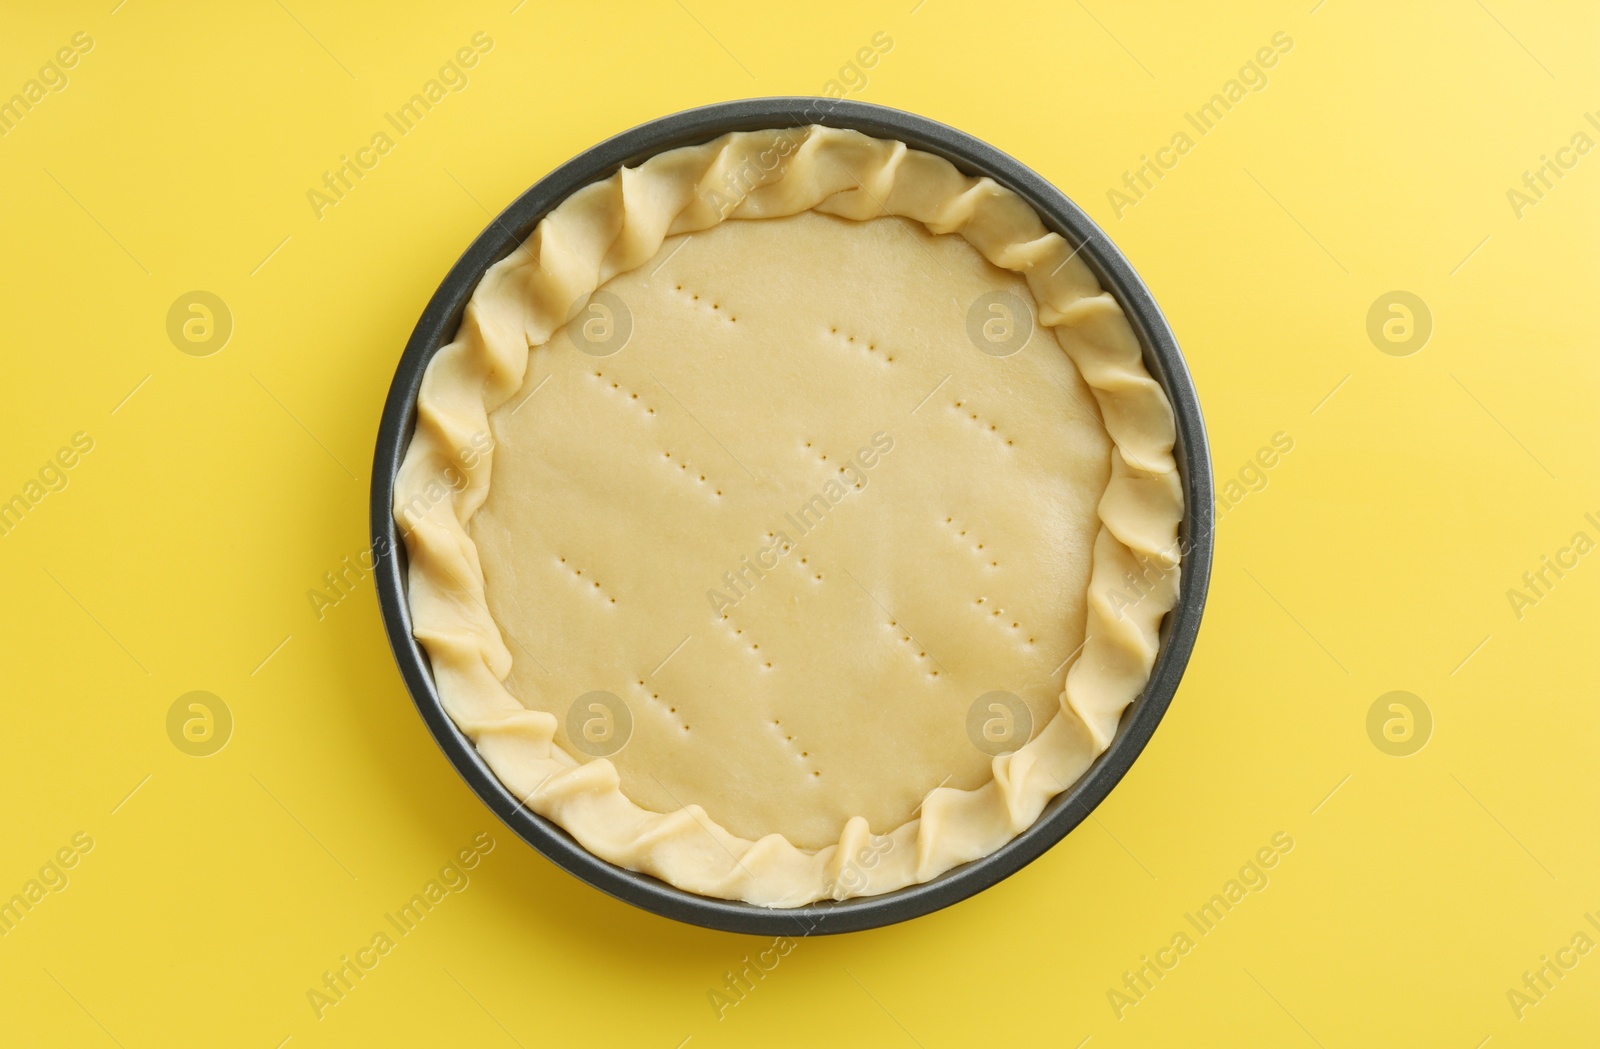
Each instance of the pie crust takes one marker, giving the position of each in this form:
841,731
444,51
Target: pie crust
1057,458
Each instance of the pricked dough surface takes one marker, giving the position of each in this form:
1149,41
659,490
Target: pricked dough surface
632,493
827,321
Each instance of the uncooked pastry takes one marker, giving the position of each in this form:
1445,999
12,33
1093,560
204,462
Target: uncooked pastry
765,514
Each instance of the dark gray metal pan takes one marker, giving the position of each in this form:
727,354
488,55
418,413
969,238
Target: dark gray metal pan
437,327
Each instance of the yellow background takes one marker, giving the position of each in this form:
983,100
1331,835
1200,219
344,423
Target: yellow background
1377,558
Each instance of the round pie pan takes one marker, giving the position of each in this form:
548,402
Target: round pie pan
437,327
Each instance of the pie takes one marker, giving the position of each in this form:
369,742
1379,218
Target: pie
791,518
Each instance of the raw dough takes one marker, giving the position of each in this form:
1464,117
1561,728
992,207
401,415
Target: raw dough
798,524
